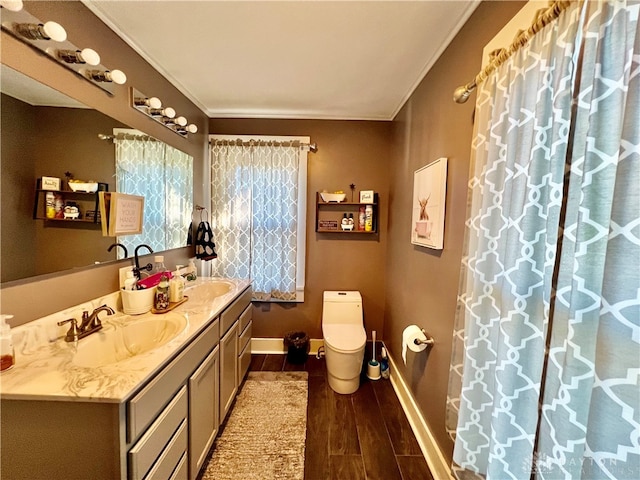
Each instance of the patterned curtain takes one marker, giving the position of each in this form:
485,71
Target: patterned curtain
545,370
254,197
163,175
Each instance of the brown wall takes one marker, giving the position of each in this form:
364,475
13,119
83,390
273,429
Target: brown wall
55,141
422,284
17,172
57,292
348,152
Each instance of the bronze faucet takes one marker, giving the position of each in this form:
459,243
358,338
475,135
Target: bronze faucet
90,324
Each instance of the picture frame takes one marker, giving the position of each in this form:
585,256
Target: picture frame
121,214
428,205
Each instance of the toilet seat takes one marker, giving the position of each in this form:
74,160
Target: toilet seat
344,338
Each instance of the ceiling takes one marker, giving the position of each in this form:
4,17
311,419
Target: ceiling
356,60
32,92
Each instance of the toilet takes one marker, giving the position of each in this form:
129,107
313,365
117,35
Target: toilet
344,339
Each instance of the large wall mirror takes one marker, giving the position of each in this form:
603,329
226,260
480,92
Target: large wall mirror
45,133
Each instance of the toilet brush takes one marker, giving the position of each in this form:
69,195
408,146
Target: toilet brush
373,368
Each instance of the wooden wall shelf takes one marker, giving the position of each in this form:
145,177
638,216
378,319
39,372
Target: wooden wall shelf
329,216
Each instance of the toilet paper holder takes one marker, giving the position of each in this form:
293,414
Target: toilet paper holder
427,341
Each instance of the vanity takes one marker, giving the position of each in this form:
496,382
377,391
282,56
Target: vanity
143,398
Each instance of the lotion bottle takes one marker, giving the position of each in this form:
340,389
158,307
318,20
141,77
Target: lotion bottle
176,287
7,353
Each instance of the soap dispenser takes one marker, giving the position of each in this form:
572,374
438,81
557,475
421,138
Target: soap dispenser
7,353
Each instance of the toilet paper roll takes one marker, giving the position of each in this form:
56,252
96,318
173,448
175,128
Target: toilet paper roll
409,334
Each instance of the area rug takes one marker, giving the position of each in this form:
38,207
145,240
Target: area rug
264,435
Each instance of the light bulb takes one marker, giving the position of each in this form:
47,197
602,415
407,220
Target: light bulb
191,128
154,102
55,31
115,76
48,31
167,113
12,5
87,56
118,77
90,56
181,121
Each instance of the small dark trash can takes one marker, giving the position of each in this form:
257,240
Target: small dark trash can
298,346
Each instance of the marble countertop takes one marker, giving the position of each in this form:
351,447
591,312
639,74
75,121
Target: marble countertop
45,367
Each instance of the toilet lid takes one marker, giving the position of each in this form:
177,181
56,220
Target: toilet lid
344,338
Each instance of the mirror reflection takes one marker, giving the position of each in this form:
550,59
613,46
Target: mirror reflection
45,133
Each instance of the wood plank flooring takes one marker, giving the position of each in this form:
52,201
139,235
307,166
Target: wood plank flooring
362,436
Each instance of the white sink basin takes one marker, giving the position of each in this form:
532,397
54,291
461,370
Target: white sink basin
141,335
208,291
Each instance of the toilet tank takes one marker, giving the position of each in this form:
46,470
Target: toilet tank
342,307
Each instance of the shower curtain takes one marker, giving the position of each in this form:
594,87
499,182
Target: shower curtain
545,370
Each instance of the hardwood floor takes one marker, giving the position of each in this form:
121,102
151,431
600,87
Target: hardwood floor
362,436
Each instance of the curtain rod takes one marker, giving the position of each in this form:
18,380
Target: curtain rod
130,136
313,148
542,18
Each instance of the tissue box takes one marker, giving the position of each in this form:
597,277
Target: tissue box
366,196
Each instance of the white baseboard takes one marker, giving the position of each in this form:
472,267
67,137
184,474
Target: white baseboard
276,345
438,465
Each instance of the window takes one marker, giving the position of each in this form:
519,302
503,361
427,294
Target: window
163,175
258,212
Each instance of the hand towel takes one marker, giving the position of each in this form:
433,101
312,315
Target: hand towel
204,242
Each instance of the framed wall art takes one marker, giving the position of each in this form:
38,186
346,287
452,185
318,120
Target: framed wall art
121,214
429,194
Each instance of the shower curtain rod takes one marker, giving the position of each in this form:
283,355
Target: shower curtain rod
313,147
543,17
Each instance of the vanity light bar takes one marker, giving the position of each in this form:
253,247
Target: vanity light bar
152,108
51,38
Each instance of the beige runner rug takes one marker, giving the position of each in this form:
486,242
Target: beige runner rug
264,435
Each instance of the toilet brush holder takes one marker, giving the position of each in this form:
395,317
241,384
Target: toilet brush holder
373,370
373,367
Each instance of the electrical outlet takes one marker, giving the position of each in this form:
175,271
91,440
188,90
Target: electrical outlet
123,275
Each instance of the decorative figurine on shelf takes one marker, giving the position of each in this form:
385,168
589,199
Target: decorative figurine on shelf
68,176
71,211
352,187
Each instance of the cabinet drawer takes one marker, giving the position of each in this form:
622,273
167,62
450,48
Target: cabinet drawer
228,370
170,458
245,318
144,407
204,398
180,472
245,337
234,310
244,360
153,442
